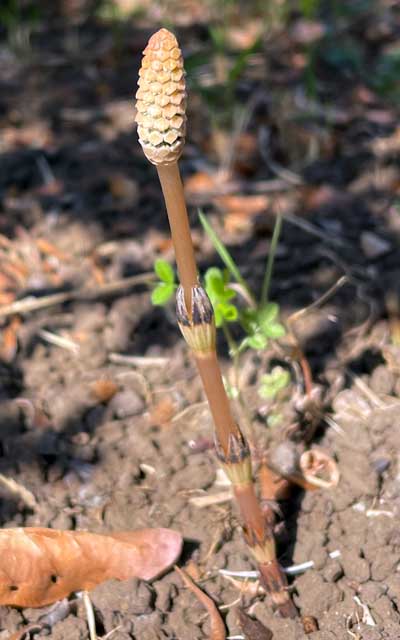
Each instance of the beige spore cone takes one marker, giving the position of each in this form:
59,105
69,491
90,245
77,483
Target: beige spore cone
161,99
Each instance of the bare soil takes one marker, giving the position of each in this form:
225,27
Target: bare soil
137,459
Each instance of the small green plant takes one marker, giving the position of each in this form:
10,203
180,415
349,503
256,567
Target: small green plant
272,383
221,295
166,286
234,302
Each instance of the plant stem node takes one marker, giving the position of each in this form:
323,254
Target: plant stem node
236,462
197,325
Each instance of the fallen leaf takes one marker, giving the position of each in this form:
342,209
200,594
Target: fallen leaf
9,341
199,183
250,205
49,249
39,566
163,412
318,469
218,631
252,629
6,297
240,210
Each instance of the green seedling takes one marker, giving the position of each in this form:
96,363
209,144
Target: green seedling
259,321
221,295
261,325
166,287
272,383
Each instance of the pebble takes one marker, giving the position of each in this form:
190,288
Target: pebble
125,404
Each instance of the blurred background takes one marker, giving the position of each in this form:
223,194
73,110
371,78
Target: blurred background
293,107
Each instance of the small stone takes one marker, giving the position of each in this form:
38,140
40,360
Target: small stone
371,591
382,380
373,246
72,628
163,595
319,557
333,571
115,601
125,404
383,563
355,568
384,608
381,464
315,595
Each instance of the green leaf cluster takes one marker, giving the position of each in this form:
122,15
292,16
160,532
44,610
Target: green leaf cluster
272,383
260,322
220,294
261,325
165,288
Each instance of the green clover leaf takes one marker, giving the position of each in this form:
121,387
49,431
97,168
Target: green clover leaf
220,294
162,293
272,383
164,271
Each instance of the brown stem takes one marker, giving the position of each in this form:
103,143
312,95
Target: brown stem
197,326
216,395
260,538
172,188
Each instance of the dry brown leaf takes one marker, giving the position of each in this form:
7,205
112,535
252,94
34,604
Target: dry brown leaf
319,470
240,210
218,631
49,249
163,412
39,566
199,183
6,297
9,340
250,205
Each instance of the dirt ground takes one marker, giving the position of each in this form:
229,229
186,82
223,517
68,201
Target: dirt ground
110,430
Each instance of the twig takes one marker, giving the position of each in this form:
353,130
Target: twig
137,361
31,303
89,615
59,341
315,231
320,301
207,501
271,259
19,490
217,626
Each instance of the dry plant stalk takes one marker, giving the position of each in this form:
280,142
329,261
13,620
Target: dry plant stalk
217,627
39,566
161,119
